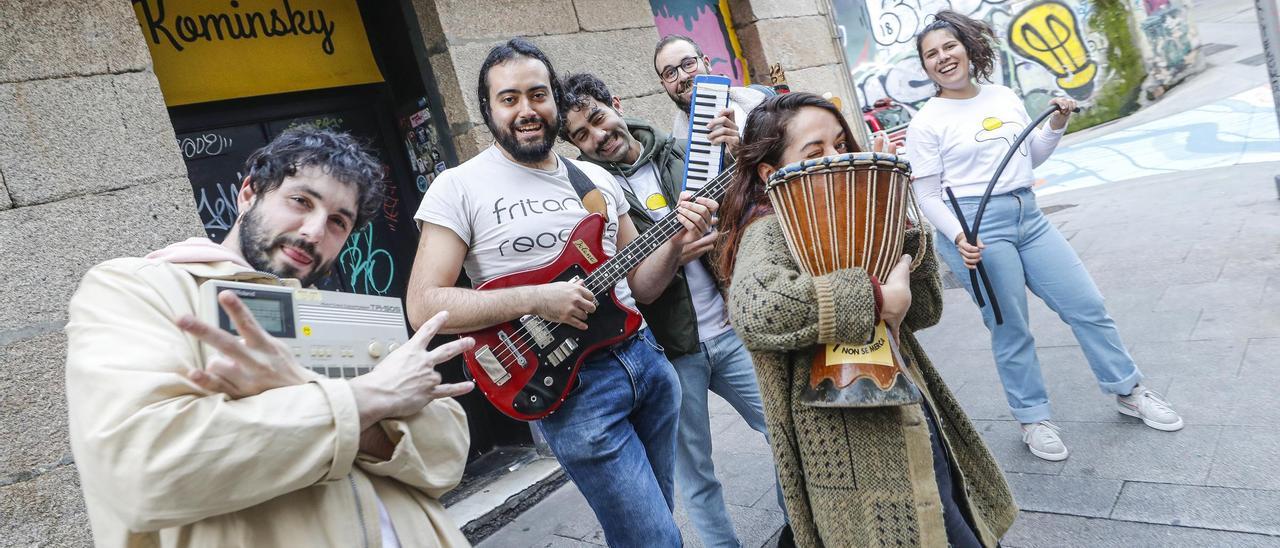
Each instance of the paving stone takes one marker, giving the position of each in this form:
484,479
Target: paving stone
45,511
754,526
1037,530
129,222
33,402
1246,321
1247,458
1261,358
1137,326
1237,292
741,439
1195,359
1243,401
1124,451
1182,273
1077,496
1245,510
745,477
1005,442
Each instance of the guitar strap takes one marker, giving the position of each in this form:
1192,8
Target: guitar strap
591,197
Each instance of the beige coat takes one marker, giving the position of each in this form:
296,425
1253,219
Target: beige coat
162,464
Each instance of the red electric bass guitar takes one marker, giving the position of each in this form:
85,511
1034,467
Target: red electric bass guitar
526,367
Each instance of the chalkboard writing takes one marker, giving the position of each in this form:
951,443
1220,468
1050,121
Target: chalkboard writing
232,25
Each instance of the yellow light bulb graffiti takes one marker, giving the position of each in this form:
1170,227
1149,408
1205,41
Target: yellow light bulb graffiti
1048,34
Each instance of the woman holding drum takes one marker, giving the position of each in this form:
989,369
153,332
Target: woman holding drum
909,474
956,142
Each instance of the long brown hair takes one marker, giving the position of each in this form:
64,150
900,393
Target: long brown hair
764,138
975,35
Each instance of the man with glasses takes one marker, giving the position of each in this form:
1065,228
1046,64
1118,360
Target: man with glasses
677,59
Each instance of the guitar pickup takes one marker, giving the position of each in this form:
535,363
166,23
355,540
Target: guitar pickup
489,363
563,351
538,330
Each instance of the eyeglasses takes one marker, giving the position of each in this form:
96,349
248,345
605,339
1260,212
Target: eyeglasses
688,65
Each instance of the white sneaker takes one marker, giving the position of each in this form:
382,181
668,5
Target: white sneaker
1043,440
1149,406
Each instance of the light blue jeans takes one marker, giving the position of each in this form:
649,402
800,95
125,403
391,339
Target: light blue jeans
616,438
722,365
1024,250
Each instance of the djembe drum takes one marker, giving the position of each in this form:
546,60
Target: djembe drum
849,211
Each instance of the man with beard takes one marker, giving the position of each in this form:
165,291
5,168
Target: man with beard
677,59
510,209
689,319
248,448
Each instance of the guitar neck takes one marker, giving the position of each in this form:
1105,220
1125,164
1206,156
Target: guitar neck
645,244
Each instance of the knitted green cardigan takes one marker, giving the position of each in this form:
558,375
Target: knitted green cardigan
856,477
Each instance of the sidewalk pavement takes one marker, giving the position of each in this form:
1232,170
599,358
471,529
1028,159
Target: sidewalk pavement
1174,211
1190,265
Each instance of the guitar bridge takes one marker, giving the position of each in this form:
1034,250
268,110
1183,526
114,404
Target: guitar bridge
511,347
489,363
538,330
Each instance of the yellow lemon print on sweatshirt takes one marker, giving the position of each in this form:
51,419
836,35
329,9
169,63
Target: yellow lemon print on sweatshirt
655,202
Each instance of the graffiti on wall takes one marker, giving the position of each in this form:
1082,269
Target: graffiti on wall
1170,41
1049,34
1047,47
708,23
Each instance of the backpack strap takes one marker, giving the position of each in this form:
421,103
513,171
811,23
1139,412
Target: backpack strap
587,191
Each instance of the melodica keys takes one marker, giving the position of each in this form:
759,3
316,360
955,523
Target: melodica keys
705,160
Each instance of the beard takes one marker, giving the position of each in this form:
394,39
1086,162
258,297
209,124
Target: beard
677,97
256,246
529,152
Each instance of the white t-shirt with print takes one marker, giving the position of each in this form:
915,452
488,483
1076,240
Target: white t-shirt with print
514,217
963,140
707,301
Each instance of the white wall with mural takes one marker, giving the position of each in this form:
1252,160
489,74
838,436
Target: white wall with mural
1047,47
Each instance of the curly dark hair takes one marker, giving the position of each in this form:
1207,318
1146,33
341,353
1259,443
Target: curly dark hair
515,47
579,89
338,155
975,35
764,138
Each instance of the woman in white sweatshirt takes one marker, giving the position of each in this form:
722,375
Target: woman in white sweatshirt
956,141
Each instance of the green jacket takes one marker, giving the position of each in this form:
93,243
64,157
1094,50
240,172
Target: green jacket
671,317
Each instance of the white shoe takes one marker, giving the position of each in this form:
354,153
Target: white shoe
1043,441
1149,406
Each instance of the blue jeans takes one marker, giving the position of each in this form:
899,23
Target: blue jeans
721,365
616,439
1024,250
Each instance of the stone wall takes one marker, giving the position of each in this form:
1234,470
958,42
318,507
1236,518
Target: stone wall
1105,62
613,39
88,171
